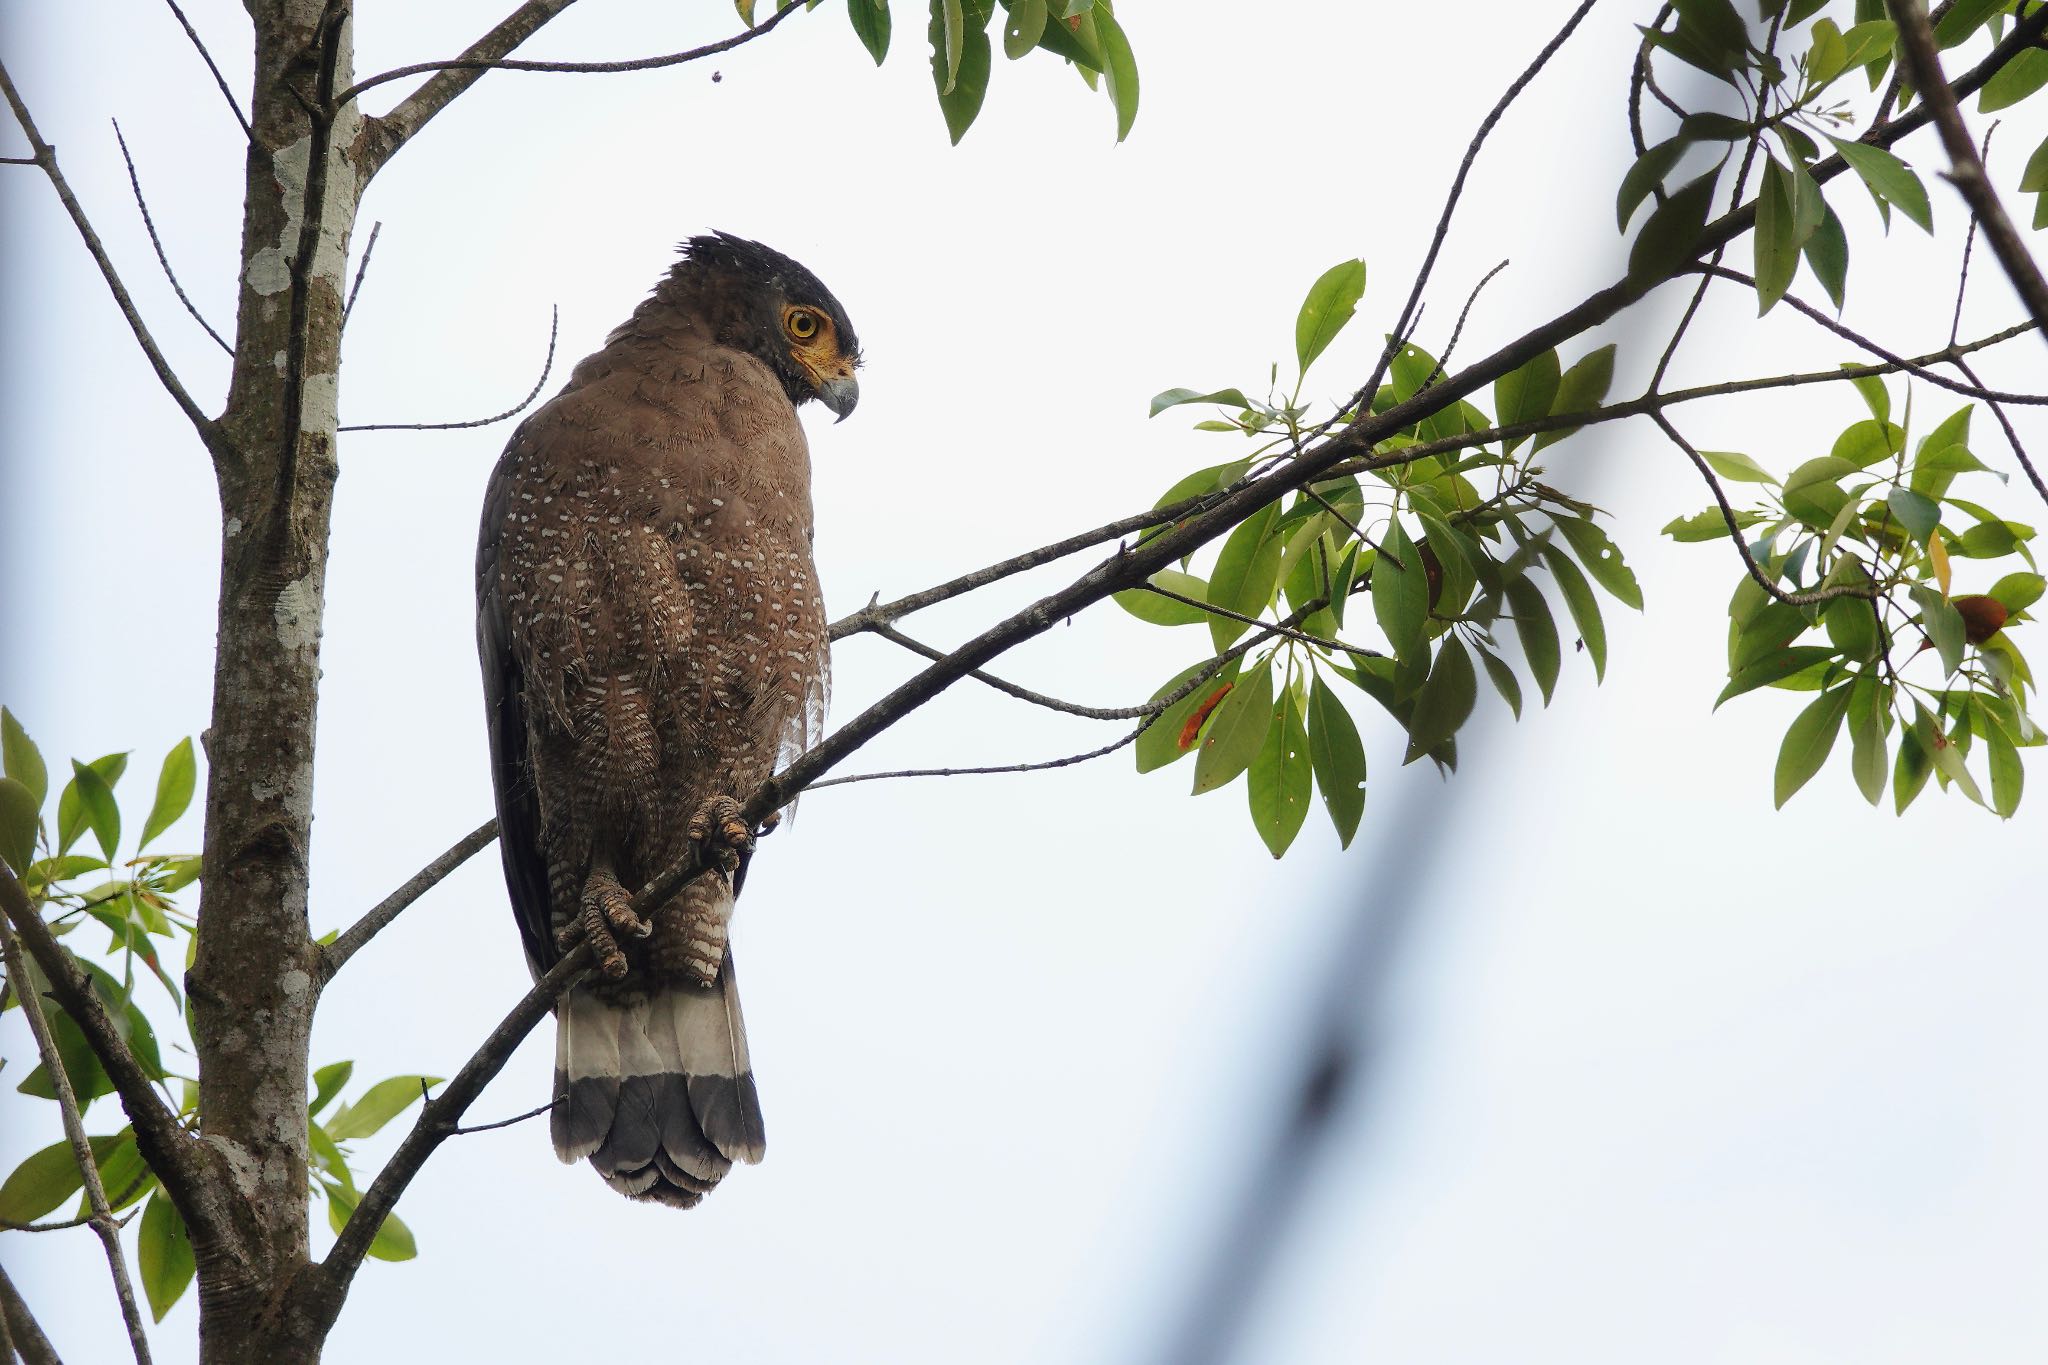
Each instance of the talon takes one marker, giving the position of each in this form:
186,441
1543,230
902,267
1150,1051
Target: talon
610,960
770,825
717,825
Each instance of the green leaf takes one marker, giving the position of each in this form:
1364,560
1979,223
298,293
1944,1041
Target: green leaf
328,1156
1503,679
1645,175
174,786
1864,443
1706,525
1281,780
1400,593
1773,665
1237,730
1948,761
1119,70
2034,179
1827,251
327,1083
1868,703
1890,181
44,1180
1173,398
18,825
2008,778
1870,41
73,817
1915,513
1776,239
1023,28
81,1067
1580,389
1671,235
23,761
2017,79
1943,624
871,25
2018,591
1445,702
1584,607
1808,743
1964,19
1811,492
1987,540
1852,627
1525,394
1912,768
1338,759
1153,609
1158,743
394,1240
163,1255
1876,397
1246,573
1731,464
1537,632
1935,470
380,1104
96,799
961,62
1331,301
1602,559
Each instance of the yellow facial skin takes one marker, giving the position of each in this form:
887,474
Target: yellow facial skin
814,345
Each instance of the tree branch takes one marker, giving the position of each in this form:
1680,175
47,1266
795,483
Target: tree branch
141,204
362,269
178,1160
351,940
895,636
547,367
102,1220
46,159
1916,42
225,93
21,1330
384,136
1042,765
1287,631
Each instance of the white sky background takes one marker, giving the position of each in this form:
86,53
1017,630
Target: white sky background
1669,1076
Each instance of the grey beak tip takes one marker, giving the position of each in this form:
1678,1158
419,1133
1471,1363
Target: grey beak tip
840,395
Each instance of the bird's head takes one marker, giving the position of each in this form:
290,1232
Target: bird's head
768,305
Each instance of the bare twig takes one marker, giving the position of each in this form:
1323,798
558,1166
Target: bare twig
1042,765
1955,324
895,636
346,945
450,78
362,269
46,159
1287,631
2012,436
102,1220
547,367
218,79
1916,42
135,183
22,1334
1459,329
533,1113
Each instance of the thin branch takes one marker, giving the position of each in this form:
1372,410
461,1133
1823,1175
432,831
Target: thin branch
895,636
1916,42
1459,329
351,940
2012,436
362,269
174,1155
46,158
225,92
21,1330
547,367
102,1220
533,1113
135,183
1955,324
1919,369
1756,572
1043,765
452,77
1288,631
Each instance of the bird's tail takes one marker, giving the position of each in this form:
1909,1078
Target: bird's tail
656,1089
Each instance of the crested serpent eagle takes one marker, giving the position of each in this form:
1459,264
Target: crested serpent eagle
654,647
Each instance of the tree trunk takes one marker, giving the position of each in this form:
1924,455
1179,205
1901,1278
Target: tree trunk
253,985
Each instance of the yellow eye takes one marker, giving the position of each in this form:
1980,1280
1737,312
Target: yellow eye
803,326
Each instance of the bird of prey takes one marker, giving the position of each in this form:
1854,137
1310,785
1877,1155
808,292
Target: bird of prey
654,647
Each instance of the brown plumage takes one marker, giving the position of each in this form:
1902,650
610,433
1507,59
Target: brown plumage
653,645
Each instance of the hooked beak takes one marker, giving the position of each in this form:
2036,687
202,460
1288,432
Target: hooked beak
840,395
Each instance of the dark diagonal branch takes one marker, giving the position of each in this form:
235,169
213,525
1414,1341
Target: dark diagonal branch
22,1333
142,205
102,1220
1966,173
178,1160
351,940
547,366
384,136
199,46
46,159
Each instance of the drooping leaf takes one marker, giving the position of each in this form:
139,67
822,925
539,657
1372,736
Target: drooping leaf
1400,592
1281,778
1526,393
1119,70
1584,607
1868,700
1776,239
1670,236
1808,743
1943,624
1827,251
1602,559
163,1255
1580,389
1537,632
1236,730
1338,758
961,62
871,25
1445,702
1915,513
1645,175
1246,574
1023,28
1890,181
1159,743
1331,301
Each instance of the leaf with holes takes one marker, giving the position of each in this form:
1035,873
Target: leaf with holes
1338,759
1331,301
1281,780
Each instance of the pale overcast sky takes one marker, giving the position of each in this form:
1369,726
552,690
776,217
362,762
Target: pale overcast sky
1665,1075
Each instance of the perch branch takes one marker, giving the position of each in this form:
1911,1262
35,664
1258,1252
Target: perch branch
351,940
